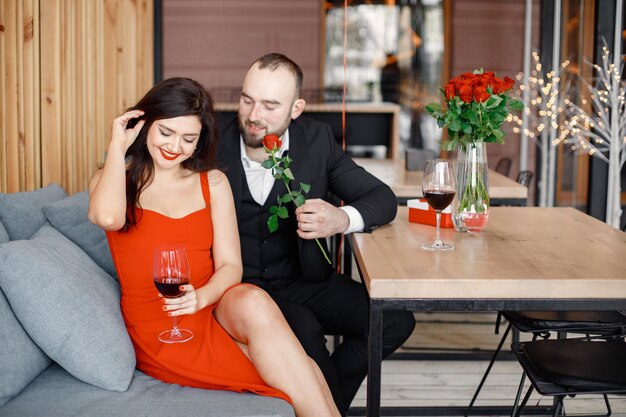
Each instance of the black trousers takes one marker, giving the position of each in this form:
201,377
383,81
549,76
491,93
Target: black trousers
338,306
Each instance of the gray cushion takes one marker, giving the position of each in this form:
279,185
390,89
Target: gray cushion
69,216
21,360
4,237
22,213
69,306
55,393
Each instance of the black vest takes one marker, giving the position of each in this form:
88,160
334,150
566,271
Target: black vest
267,255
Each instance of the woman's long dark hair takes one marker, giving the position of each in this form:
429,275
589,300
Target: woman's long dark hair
170,98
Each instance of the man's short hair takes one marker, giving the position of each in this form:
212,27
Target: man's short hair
274,60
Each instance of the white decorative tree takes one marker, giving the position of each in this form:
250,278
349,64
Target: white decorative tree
601,132
545,104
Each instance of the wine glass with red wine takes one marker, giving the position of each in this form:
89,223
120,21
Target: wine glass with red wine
170,271
438,188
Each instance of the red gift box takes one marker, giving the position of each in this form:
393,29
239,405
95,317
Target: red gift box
421,212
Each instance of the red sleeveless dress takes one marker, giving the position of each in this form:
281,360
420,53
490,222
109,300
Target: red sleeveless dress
211,359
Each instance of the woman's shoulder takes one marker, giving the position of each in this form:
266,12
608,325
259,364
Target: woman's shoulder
216,178
219,186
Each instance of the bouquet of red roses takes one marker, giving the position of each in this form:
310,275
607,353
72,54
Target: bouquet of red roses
476,106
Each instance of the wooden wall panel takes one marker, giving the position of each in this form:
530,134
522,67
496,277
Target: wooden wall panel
101,63
8,126
215,41
67,69
19,103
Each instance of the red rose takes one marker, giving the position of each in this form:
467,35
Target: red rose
508,83
466,92
481,94
498,86
280,170
450,92
503,85
457,84
272,142
488,78
479,82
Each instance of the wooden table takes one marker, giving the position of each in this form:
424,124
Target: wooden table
528,258
408,184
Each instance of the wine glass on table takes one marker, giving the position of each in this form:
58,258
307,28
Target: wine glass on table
438,188
170,271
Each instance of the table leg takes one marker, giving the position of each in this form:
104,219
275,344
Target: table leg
375,348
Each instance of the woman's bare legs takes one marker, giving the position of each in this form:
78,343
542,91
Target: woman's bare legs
322,381
252,318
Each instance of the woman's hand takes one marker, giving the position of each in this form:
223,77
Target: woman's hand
186,304
120,136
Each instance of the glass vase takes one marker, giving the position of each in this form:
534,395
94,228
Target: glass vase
470,208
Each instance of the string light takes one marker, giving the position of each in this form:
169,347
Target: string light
583,125
607,95
545,102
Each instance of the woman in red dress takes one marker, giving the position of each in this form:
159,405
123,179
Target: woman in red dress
159,185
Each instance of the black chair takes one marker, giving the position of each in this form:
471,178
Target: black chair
607,324
525,177
504,166
568,367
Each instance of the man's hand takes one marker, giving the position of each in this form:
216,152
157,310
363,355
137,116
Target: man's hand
319,219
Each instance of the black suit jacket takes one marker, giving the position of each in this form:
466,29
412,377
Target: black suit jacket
319,161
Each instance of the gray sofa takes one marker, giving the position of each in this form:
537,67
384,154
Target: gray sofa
65,350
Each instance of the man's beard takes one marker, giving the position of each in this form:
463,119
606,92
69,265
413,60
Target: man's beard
254,142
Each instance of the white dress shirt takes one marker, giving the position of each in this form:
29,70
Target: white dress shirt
261,181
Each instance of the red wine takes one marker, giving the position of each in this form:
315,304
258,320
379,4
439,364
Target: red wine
439,200
169,287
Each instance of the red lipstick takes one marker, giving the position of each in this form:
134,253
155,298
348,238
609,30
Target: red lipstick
168,155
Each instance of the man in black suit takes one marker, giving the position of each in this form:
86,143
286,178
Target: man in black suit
288,264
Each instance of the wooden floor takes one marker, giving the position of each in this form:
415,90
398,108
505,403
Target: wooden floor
437,383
